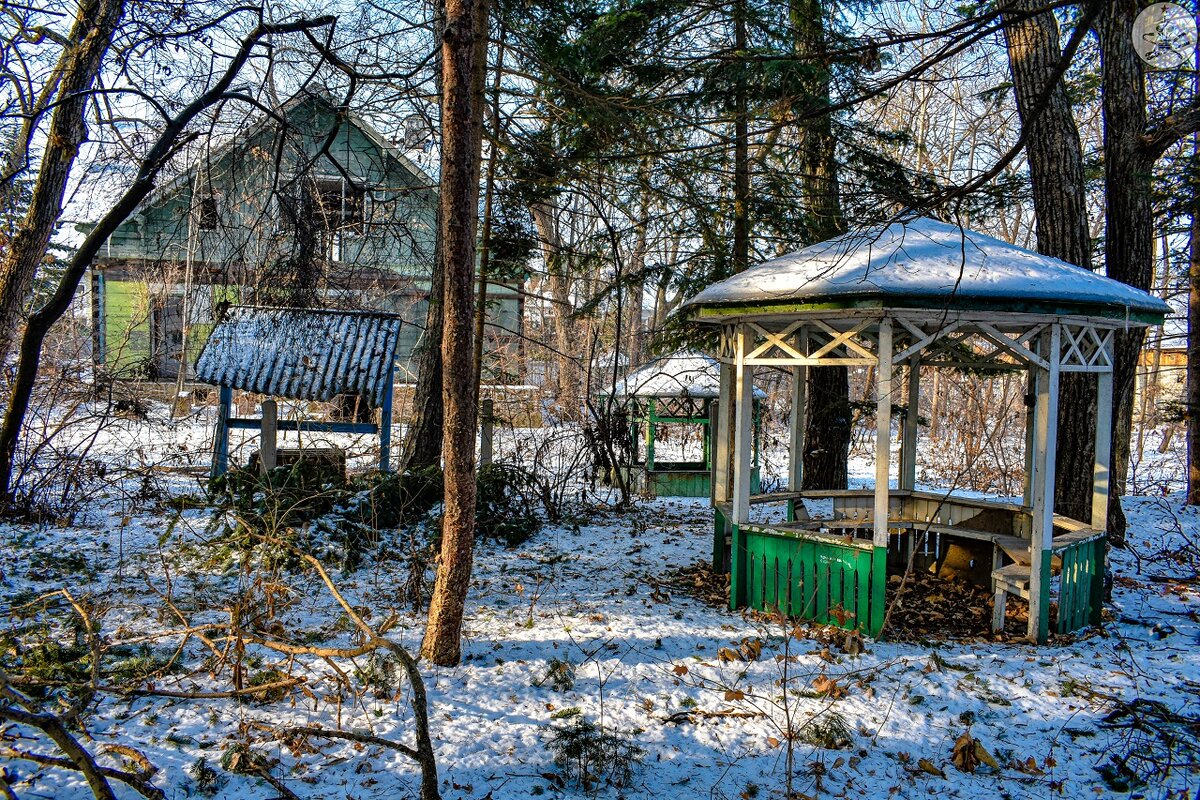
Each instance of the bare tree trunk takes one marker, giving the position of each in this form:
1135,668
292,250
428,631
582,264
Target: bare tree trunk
77,68
464,57
568,371
423,444
827,427
1193,361
1129,220
1059,203
741,150
423,441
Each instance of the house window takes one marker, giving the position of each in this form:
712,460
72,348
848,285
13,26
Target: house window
207,218
341,204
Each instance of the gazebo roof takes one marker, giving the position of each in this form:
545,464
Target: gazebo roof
683,374
924,264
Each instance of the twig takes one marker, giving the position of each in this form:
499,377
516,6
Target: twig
351,736
139,783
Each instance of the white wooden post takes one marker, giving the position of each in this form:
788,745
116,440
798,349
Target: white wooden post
722,435
883,430
743,429
267,439
908,440
1100,476
1045,438
799,412
1031,382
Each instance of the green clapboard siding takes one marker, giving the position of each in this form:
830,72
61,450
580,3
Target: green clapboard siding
126,324
690,483
1081,585
811,579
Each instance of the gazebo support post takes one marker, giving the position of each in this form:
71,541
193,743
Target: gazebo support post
720,416
796,449
1045,437
742,466
883,461
1030,432
1100,484
908,439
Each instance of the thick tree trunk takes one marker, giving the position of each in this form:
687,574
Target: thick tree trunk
568,370
423,440
1193,363
464,43
827,427
1059,203
1129,218
423,444
741,150
76,71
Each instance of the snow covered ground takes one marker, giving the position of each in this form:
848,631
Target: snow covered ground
585,622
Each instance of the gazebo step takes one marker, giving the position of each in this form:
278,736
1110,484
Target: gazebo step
1015,548
1015,577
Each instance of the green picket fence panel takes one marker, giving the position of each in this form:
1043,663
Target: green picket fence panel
1081,585
809,579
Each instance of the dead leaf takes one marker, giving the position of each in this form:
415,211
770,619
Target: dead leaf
827,687
928,766
680,670
734,694
969,753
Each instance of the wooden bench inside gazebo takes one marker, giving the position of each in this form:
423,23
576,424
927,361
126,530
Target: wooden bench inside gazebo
900,298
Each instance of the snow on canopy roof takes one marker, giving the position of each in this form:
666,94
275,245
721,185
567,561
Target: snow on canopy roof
924,263
683,374
301,353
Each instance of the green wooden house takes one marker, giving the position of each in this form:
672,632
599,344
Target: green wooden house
308,207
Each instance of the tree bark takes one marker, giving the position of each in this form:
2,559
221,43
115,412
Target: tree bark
568,370
76,71
1129,219
423,444
1193,360
827,426
423,441
1059,203
464,43
741,149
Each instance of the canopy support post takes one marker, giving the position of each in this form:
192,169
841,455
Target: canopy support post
385,423
220,463
743,430
1046,436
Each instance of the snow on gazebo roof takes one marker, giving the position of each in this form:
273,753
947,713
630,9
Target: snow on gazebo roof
924,263
683,374
302,353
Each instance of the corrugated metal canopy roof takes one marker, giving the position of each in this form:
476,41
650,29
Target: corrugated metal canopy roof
924,263
301,353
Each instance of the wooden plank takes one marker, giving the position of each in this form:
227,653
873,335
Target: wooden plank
878,590
862,603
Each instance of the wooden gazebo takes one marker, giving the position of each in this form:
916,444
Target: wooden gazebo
898,298
676,390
